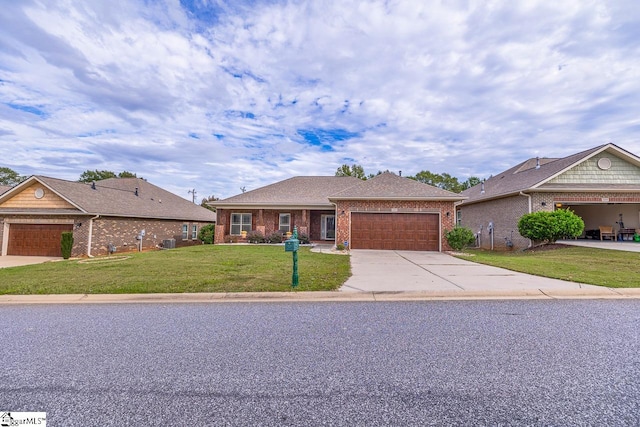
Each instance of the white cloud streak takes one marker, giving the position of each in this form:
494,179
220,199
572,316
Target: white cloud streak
217,96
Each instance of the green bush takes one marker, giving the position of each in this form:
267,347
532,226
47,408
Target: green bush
304,239
276,237
547,227
207,233
340,247
459,238
255,236
66,244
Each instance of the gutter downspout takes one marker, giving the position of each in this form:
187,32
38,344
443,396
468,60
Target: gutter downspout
90,236
528,196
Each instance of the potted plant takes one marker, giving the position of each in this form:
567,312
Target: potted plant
243,234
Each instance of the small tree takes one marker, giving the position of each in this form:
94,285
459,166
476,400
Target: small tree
66,244
460,237
548,227
206,233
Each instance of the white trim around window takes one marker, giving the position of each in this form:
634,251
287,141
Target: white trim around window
240,222
194,231
284,224
185,231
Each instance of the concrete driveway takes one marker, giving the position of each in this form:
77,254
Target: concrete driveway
15,261
408,271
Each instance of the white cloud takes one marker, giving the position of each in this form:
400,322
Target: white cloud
221,95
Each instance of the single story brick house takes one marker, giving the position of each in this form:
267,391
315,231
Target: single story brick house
601,185
103,216
384,212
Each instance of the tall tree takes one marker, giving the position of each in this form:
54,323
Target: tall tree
9,177
472,181
206,200
96,175
445,181
127,174
353,170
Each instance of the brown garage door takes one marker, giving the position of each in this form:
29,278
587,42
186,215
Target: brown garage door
36,239
398,231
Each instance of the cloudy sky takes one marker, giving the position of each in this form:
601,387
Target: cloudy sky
217,95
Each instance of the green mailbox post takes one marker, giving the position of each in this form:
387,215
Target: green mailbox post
292,245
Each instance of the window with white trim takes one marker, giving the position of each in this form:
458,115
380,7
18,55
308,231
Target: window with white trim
285,223
459,218
194,231
240,222
185,231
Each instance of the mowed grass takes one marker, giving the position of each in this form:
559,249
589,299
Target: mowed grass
207,268
603,267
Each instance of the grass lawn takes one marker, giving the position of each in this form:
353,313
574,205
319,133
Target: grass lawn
614,269
206,268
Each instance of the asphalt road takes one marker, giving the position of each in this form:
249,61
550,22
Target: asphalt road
404,363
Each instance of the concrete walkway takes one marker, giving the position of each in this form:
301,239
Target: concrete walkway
627,245
436,272
16,261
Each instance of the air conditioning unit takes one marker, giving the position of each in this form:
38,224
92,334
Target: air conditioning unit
169,243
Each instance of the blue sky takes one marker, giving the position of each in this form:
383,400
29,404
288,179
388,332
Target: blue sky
217,95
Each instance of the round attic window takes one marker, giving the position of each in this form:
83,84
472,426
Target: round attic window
604,163
39,193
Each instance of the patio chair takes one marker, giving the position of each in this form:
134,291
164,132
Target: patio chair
607,231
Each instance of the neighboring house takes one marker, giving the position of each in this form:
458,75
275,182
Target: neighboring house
108,214
601,185
384,212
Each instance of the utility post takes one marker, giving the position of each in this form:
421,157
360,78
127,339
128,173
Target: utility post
193,193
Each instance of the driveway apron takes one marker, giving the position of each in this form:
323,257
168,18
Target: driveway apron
402,271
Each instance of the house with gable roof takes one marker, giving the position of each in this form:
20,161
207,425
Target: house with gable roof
384,212
119,214
601,185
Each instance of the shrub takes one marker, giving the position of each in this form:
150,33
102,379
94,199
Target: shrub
276,237
207,233
340,247
304,239
547,227
459,238
66,244
255,236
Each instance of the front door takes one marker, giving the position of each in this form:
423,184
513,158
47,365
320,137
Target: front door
328,227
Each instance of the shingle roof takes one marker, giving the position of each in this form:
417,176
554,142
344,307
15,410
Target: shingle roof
317,191
117,197
4,188
388,186
525,176
296,191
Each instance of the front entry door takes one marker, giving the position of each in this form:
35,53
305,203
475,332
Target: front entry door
328,227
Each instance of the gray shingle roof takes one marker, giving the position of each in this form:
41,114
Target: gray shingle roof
388,186
525,176
4,188
317,191
116,197
296,191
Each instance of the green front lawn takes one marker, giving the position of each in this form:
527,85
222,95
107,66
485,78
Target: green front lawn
615,269
207,268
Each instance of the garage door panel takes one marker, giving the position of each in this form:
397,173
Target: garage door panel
36,239
395,231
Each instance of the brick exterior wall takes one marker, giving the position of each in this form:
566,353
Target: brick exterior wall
505,213
343,226
121,232
266,221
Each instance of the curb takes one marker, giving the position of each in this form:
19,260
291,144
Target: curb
322,296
